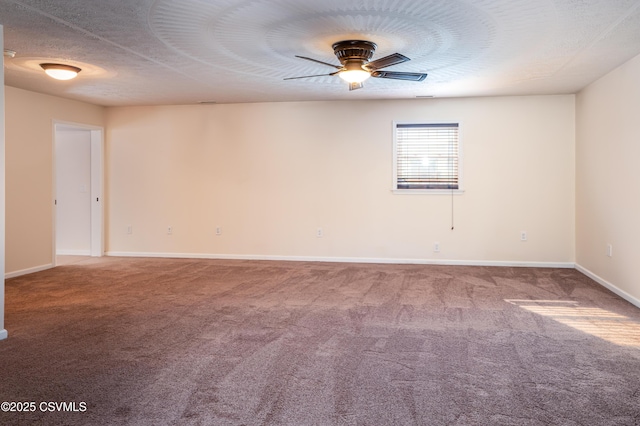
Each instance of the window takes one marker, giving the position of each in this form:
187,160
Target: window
426,157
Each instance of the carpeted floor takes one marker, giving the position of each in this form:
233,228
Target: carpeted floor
211,342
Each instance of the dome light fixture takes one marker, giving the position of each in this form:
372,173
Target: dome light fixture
61,71
354,72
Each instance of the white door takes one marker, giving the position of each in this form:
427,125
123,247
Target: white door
78,190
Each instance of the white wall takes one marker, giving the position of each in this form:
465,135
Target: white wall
3,332
73,190
270,174
608,179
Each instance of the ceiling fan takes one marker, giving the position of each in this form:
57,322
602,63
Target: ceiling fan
354,55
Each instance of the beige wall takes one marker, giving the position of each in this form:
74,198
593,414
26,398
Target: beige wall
608,178
29,172
3,332
270,174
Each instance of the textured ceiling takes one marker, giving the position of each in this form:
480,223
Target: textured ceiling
144,52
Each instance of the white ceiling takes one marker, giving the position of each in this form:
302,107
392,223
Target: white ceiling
144,52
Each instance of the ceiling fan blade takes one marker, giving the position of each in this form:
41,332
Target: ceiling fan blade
320,62
397,75
309,76
355,86
387,61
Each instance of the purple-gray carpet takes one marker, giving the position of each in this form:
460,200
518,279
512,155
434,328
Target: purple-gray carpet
212,342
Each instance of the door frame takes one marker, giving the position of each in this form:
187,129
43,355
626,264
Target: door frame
97,185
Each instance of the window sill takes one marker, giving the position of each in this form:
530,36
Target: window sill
427,191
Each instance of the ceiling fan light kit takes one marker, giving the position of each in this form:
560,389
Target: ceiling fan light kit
354,57
354,73
60,71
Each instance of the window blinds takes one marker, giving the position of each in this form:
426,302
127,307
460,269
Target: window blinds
427,156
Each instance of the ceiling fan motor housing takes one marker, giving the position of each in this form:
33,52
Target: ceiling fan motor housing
354,50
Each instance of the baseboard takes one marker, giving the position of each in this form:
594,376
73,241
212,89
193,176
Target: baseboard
3,334
73,252
345,259
452,262
28,271
626,296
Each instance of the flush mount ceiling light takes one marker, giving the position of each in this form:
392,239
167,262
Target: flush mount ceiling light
60,71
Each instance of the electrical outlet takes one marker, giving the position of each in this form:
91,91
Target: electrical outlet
129,229
523,235
319,233
218,230
169,230
436,247
609,250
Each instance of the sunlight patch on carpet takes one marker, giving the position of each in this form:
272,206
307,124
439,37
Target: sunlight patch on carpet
598,322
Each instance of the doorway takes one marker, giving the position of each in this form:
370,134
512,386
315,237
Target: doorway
78,182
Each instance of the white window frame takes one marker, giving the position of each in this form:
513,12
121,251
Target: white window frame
395,188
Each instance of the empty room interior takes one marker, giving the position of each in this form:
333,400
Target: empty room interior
273,212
